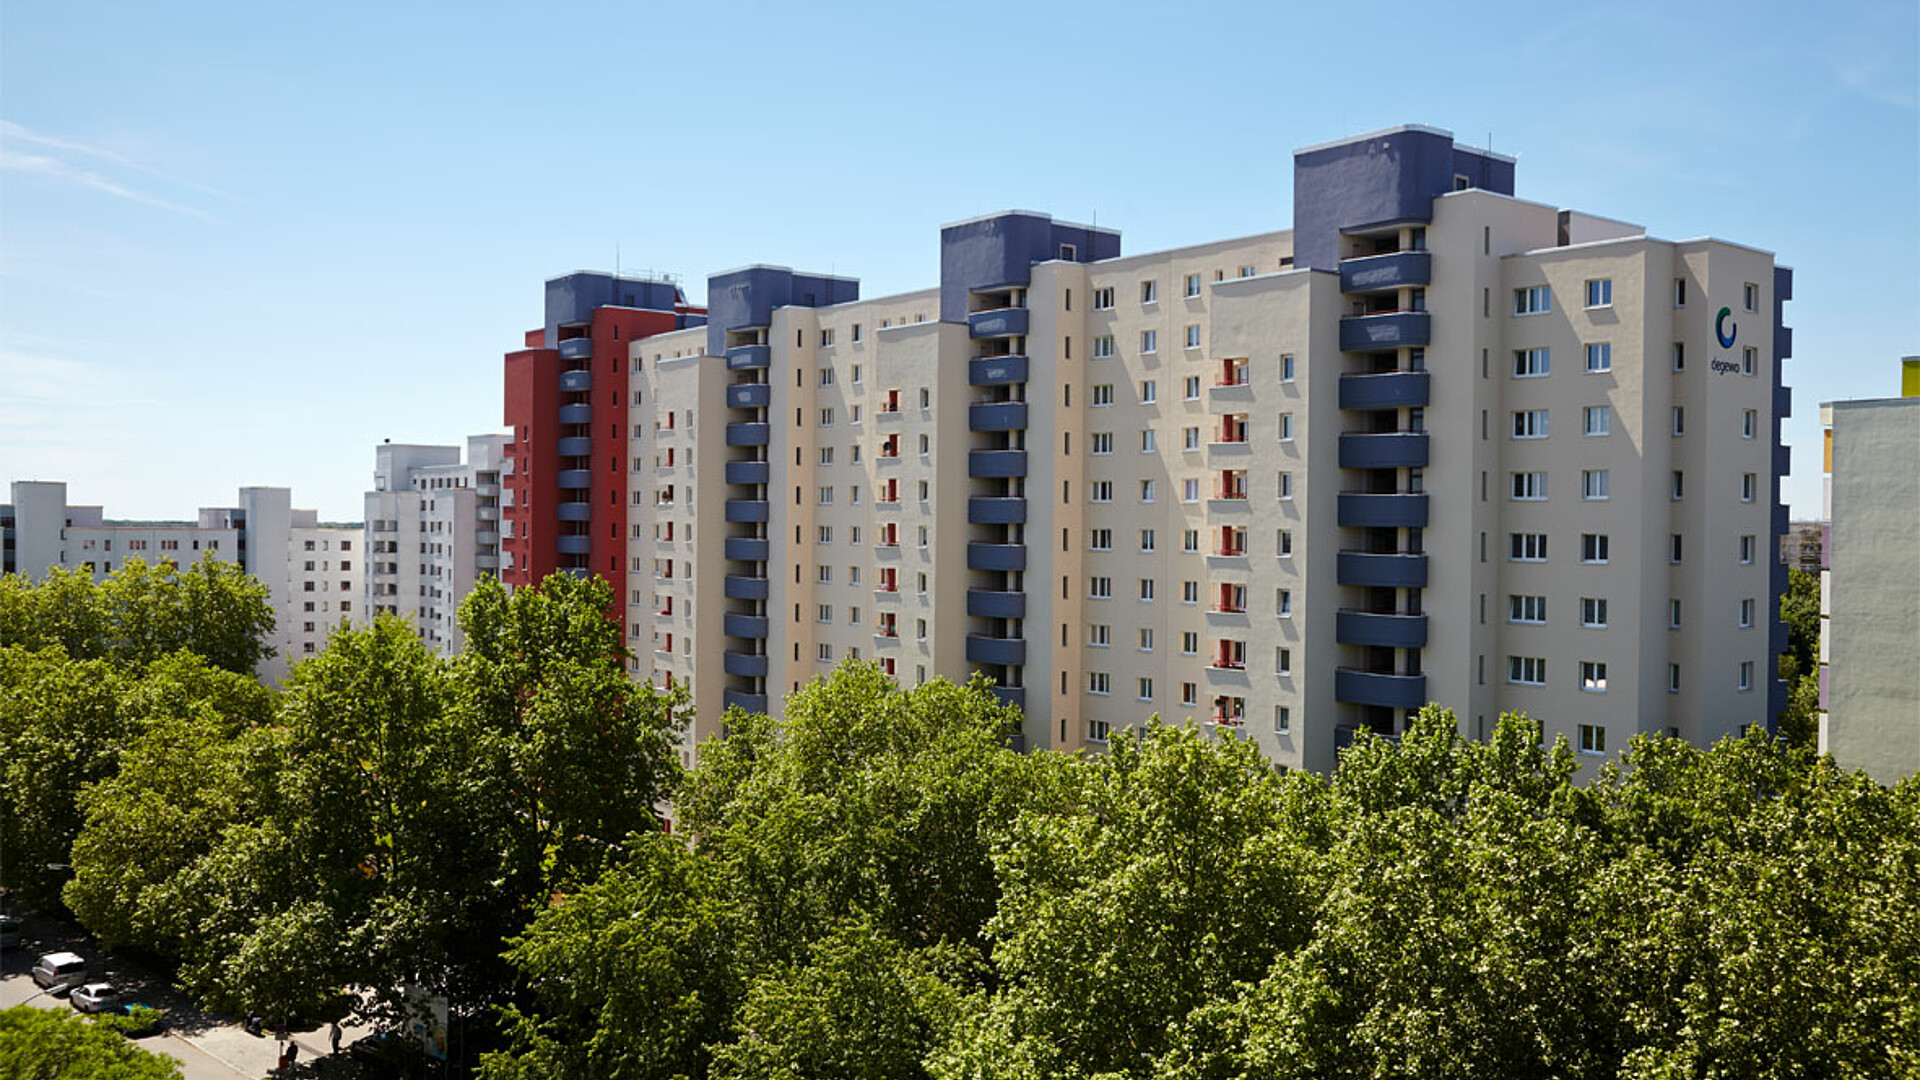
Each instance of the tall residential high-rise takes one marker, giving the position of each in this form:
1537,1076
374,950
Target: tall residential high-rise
1435,442
311,570
432,531
566,403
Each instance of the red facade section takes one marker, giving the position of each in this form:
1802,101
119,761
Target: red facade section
532,479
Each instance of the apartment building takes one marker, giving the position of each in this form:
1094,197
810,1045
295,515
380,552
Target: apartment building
432,532
1870,592
311,570
1434,442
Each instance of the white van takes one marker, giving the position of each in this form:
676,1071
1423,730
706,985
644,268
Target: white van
59,972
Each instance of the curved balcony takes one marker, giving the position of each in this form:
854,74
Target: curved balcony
982,649
1003,557
1000,322
997,416
575,479
574,545
1403,511
995,604
748,549
738,587
997,370
579,348
1358,687
749,395
574,445
742,357
748,434
1380,273
580,413
574,511
750,627
576,382
1368,570
1385,450
748,472
996,464
487,562
1386,631
1015,696
486,536
746,665
753,703
747,511
1385,330
1385,390
997,511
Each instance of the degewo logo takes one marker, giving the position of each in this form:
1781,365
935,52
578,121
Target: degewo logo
1722,331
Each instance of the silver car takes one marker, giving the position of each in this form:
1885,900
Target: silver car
96,997
57,972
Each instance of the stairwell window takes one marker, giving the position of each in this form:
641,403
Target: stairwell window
1749,487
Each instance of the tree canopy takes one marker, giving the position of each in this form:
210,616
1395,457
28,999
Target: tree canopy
45,1044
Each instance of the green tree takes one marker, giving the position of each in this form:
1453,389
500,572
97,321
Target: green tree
142,612
43,1044
1799,722
60,729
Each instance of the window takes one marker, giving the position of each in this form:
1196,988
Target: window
1193,335
1745,620
824,575
1283,602
1526,609
1149,291
1149,341
1679,421
1673,614
1100,588
1190,542
1599,356
1190,438
1146,491
1594,547
1282,720
1533,300
1283,661
1750,296
1189,592
1146,689
1746,550
1103,347
1679,484
1679,356
1102,394
823,613
1673,678
1600,292
1099,539
1101,491
1190,490
1193,285
1679,292
826,375
1529,486
1146,441
1149,392
1099,635
1527,670
1286,485
1673,550
1192,387
1146,639
1593,484
1190,643
1286,367
1531,363
1749,423
1146,539
1286,427
1284,540
1593,677
1593,612
1103,299
1189,694
1597,419
1593,739
826,417
1749,486
1743,679
1530,424
1097,683
1146,590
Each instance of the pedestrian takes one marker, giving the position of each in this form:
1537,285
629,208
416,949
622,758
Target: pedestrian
293,1053
333,1036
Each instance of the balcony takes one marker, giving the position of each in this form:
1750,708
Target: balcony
749,472
1384,450
995,604
576,382
486,536
574,511
573,446
753,703
748,549
1380,273
997,370
1000,322
1391,511
997,416
486,562
1002,557
996,464
743,357
748,434
750,627
1385,330
576,414
738,587
579,348
997,511
1385,630
1358,687
486,490
487,513
575,479
1015,696
574,545
1386,390
749,395
1368,570
746,511
993,650
745,665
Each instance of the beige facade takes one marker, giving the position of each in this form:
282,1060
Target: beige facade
432,532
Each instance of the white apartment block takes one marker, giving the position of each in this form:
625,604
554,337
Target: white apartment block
432,531
1435,443
311,571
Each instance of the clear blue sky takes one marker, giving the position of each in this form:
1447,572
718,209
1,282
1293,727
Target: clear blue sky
242,243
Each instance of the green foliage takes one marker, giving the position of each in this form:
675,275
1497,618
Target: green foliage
45,1044
137,1022
1799,722
142,612
60,729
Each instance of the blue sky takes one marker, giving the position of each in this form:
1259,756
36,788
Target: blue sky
242,243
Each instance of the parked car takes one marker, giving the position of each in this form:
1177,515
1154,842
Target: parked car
134,1019
95,997
59,972
388,1053
11,931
